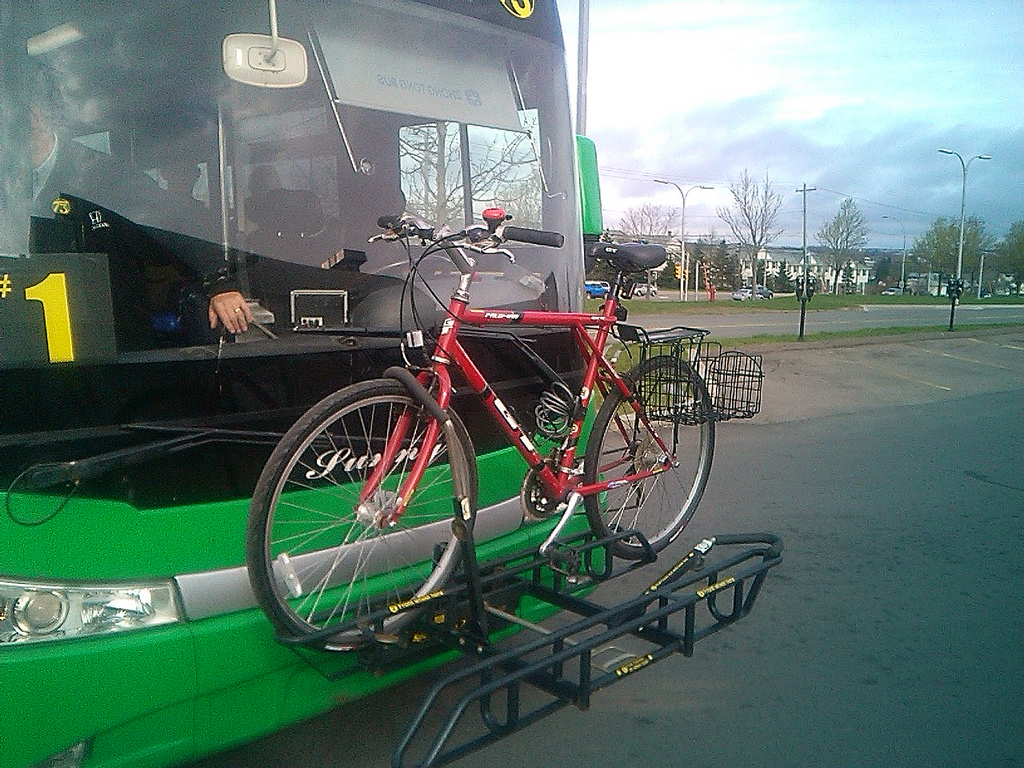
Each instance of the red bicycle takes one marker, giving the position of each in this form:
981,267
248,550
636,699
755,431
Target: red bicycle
352,515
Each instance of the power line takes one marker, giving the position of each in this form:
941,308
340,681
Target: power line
868,201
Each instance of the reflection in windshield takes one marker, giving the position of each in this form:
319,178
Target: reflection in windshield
452,172
179,177
137,179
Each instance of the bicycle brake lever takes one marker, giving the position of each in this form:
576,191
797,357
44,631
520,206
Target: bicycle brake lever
494,249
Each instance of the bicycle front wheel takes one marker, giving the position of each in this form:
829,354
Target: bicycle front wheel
319,556
677,405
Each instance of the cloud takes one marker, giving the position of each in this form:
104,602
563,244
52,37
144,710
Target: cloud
893,170
854,98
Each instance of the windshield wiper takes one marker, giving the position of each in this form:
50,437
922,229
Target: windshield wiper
50,474
325,78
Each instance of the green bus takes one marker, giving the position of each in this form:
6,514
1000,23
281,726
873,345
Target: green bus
157,155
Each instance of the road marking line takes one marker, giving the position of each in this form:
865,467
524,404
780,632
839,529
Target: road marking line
976,362
912,379
1001,346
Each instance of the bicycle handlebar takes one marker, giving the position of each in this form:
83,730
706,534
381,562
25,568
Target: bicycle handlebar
479,238
533,236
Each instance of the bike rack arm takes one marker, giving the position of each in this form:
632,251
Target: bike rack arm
560,664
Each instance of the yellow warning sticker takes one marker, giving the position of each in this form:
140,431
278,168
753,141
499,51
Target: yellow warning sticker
521,9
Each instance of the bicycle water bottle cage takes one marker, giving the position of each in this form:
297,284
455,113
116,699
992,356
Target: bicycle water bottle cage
628,257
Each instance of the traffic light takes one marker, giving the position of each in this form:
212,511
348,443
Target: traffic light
678,270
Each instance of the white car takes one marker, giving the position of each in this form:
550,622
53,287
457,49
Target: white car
745,293
642,289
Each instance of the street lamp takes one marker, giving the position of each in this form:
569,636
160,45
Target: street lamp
903,267
963,201
684,262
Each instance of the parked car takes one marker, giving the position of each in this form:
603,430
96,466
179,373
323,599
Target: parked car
596,289
745,293
643,289
892,290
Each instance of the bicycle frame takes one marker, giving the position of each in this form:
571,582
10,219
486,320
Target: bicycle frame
560,479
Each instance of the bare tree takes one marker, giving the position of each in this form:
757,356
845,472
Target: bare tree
502,167
753,217
646,220
843,237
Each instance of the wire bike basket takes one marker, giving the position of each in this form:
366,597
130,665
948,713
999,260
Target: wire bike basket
732,379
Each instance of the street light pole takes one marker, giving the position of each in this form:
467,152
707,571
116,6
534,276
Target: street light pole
955,291
903,266
803,293
963,204
684,262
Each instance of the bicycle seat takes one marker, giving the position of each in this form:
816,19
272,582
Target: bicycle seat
628,257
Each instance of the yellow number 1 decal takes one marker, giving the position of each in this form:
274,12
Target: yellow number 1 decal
52,292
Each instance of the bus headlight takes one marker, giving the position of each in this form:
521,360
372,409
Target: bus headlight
36,612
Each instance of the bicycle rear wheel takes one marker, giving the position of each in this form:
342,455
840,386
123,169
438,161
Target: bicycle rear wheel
676,402
313,561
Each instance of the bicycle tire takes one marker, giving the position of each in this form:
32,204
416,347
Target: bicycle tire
660,506
336,568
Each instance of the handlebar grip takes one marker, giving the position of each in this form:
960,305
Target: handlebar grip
533,236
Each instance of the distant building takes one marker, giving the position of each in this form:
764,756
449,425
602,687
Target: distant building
779,266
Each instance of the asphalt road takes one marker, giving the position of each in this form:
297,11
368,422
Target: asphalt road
889,636
739,324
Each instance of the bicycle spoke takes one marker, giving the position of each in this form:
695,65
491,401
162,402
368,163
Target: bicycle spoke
343,558
659,464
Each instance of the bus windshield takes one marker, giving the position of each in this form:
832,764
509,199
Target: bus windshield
135,168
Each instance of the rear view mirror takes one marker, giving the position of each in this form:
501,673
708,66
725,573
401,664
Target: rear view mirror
264,61
590,189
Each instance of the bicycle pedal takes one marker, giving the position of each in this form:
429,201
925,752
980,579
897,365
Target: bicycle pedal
566,563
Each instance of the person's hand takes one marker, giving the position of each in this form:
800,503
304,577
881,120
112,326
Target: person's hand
230,309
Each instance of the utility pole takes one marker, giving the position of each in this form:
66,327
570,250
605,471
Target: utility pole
981,272
903,265
581,68
803,292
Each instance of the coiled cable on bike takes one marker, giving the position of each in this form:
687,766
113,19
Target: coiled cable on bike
554,410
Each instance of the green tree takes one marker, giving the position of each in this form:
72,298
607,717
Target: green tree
719,260
940,245
781,281
884,268
843,237
1011,249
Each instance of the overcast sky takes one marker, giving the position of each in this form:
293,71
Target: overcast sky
852,97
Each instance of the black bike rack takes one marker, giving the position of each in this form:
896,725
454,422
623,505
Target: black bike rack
564,664
698,596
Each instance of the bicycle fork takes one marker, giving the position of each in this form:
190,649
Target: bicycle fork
438,423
